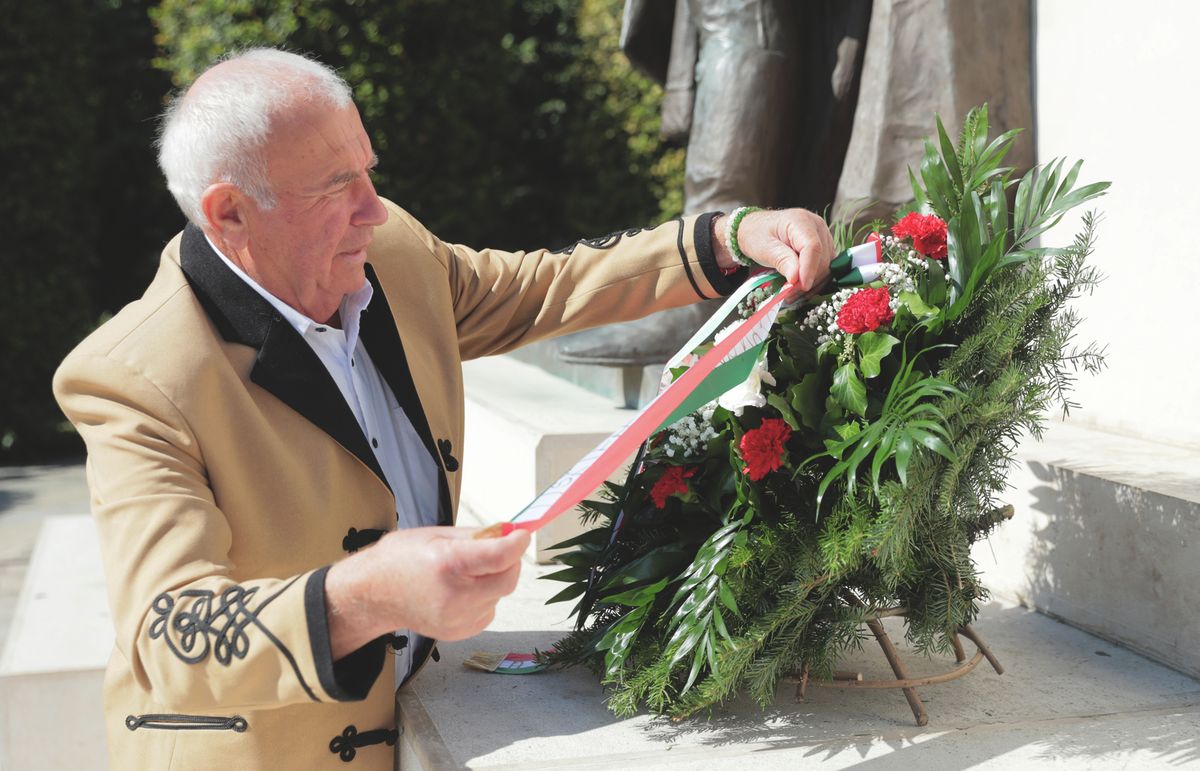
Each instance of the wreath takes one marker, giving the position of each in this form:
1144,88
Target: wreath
864,455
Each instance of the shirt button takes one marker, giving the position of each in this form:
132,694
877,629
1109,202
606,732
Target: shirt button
320,329
374,442
352,362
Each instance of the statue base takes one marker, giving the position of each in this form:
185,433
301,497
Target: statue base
622,362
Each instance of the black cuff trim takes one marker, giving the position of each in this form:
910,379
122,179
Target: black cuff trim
349,678
687,263
707,257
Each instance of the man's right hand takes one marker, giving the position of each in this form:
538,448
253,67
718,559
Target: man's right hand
436,581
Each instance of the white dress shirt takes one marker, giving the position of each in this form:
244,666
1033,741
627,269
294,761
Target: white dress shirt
410,471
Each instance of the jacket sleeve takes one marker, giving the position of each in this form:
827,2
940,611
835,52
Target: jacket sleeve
195,637
503,300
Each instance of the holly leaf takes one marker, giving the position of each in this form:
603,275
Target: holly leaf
872,347
848,430
916,305
848,390
780,403
808,399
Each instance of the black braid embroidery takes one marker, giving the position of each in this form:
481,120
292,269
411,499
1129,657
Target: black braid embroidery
599,242
199,623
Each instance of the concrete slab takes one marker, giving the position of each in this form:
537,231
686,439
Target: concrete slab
52,665
28,494
1066,698
1106,536
525,429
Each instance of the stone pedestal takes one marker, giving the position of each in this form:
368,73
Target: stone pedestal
52,668
1106,536
525,429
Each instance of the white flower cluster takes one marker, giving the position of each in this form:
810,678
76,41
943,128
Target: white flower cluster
823,318
897,280
688,437
750,303
897,272
896,251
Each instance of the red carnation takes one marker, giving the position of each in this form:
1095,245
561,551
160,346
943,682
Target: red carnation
927,231
671,483
762,447
865,311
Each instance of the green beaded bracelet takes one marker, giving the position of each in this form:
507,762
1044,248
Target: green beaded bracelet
731,230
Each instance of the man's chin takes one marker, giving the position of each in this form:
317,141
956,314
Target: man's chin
352,275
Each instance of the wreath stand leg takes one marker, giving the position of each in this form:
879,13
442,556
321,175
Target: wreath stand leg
909,685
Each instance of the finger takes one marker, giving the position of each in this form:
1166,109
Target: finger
494,530
457,533
782,258
487,556
815,259
484,620
497,585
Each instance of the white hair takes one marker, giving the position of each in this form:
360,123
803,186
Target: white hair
214,131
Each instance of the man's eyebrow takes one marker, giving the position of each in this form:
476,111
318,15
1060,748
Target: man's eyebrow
346,177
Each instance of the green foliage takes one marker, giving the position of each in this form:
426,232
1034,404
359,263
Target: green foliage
517,127
84,208
697,617
903,438
909,418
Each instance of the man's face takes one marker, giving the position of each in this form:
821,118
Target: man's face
310,248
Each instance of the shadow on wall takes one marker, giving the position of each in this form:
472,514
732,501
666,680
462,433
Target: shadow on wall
1119,561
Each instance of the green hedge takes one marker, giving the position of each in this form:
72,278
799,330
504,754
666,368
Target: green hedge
84,212
503,123
510,123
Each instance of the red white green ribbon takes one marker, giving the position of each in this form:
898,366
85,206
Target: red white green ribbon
727,364
858,265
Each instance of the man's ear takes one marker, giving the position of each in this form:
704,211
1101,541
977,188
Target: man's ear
224,207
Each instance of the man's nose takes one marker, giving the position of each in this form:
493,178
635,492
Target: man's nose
370,209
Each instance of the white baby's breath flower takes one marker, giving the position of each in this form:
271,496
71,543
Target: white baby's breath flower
691,433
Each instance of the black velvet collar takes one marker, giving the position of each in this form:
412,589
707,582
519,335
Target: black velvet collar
288,368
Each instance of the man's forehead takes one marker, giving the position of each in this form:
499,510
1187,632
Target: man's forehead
319,142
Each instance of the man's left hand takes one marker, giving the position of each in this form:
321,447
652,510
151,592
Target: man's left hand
795,242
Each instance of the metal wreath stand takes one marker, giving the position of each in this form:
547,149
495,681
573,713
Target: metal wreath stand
852,680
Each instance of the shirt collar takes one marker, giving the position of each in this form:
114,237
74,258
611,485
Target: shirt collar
350,309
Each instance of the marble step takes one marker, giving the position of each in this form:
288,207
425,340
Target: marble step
1106,536
524,429
52,667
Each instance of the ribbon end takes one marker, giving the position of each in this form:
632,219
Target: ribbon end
498,530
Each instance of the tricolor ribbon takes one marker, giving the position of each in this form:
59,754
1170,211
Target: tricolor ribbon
722,368
728,363
860,264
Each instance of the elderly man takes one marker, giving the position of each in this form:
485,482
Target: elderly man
274,428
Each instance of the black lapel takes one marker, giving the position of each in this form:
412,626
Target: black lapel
379,334
286,365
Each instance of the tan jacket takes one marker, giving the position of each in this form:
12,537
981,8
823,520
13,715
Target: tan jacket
227,473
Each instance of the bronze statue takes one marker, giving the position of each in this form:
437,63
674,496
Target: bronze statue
814,103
